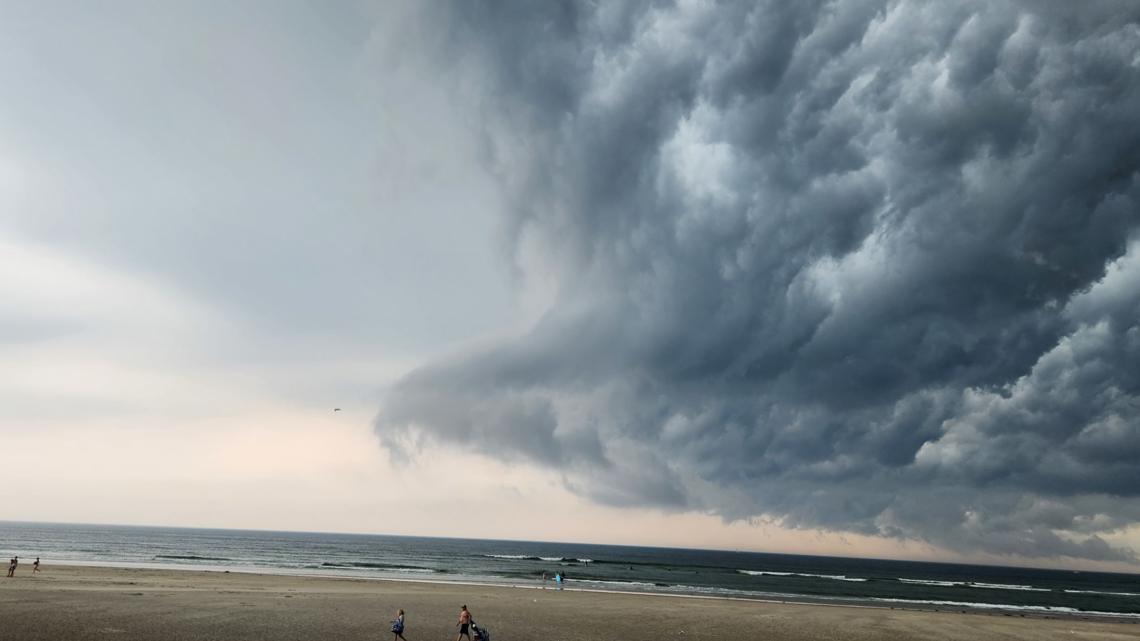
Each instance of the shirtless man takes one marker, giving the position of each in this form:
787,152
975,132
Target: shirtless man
464,623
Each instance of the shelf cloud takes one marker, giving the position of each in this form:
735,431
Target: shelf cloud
866,267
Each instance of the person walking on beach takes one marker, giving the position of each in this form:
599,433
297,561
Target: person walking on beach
398,626
36,565
12,563
464,624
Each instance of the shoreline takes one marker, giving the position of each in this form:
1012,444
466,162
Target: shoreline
701,575
1026,612
136,604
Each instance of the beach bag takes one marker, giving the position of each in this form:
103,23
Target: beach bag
481,634
397,627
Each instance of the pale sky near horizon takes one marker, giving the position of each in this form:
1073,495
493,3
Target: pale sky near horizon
858,279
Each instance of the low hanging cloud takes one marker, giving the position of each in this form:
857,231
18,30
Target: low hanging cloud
862,266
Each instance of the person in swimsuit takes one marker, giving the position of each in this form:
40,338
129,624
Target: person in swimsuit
464,624
36,565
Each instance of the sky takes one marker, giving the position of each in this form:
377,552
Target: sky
856,278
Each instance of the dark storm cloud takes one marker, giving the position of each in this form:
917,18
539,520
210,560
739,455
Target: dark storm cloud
862,266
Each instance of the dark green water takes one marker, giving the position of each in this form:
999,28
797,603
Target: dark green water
598,567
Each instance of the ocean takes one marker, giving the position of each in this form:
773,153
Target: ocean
748,575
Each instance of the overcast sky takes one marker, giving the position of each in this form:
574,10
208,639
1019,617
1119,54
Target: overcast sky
855,277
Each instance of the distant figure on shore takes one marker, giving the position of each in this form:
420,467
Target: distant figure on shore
398,626
464,624
12,563
36,565
558,580
544,579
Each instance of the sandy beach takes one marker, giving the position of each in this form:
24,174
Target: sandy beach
64,603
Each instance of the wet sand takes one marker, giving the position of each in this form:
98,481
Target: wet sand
64,603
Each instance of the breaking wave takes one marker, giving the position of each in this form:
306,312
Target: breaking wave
833,577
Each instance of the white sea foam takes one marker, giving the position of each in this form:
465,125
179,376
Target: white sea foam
527,557
1000,606
839,577
943,584
1099,592
975,584
622,583
833,577
764,573
1006,586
